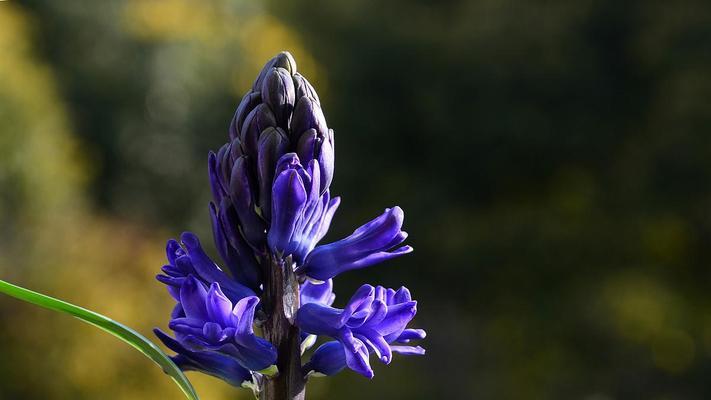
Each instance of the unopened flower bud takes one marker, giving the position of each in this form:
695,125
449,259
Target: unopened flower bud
273,144
278,94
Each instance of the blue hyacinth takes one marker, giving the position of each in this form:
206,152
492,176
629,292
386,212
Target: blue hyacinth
271,207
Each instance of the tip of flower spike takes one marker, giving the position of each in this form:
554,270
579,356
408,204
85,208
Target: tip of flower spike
285,60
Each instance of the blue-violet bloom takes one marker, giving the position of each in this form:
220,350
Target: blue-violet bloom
374,320
271,207
207,321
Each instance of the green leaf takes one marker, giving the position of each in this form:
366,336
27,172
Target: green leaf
270,370
128,335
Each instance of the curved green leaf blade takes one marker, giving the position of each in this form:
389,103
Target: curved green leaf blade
128,335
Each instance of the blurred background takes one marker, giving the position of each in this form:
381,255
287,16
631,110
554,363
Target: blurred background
553,159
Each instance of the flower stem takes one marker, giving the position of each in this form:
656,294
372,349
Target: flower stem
281,301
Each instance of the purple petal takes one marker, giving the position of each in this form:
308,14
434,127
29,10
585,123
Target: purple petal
208,271
256,122
378,312
185,265
318,319
278,93
218,190
307,115
173,251
219,307
304,88
192,297
242,191
401,296
233,249
302,240
273,144
283,60
328,359
358,361
368,245
211,363
326,157
362,299
243,315
408,350
376,343
398,317
289,196
306,147
240,260
327,217
320,293
375,258
287,161
213,333
249,101
187,326
254,353
411,334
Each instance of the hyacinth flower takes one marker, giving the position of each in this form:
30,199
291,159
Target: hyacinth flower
191,260
373,321
206,321
271,207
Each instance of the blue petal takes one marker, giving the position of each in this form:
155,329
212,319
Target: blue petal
306,146
222,367
187,326
307,115
279,94
289,200
273,144
255,353
304,88
401,296
326,158
411,334
219,307
233,249
328,359
376,343
173,251
259,119
243,315
250,100
358,361
399,315
378,311
213,333
192,298
208,271
218,189
319,319
321,293
243,191
408,350
331,207
361,300
368,245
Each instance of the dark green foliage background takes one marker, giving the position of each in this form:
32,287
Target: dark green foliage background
553,160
